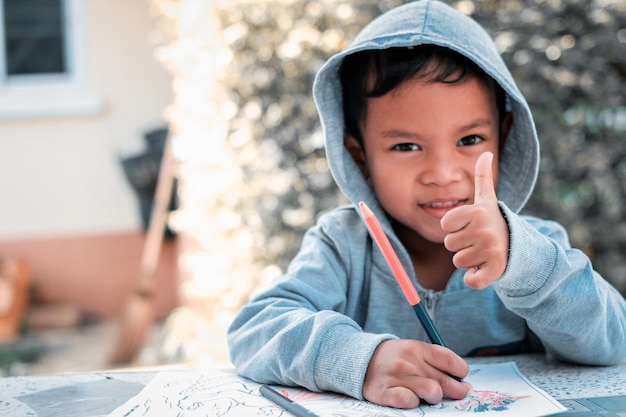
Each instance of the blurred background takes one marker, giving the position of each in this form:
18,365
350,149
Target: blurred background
91,90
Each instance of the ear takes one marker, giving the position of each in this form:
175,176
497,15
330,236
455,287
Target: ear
505,128
358,153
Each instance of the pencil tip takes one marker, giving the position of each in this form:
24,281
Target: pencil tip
364,209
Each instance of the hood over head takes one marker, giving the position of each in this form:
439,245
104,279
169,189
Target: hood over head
429,22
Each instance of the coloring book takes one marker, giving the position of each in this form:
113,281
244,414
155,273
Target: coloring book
499,390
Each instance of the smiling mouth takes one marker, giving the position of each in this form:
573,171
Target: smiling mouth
444,204
439,208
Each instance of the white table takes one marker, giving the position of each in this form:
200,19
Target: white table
97,394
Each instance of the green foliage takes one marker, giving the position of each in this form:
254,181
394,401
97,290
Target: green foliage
568,57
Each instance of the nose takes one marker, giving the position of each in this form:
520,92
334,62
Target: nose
440,168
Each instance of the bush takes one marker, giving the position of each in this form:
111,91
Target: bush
566,55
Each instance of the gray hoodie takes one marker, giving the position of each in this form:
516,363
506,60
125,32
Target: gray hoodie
320,323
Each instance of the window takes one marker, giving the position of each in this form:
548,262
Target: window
43,59
34,39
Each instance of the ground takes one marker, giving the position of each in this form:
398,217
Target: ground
84,348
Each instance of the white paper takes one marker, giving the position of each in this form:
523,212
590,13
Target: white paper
499,390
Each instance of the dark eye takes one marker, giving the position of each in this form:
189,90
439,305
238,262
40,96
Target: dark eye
406,147
470,140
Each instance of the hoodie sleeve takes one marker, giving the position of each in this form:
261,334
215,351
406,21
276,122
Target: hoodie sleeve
578,316
297,332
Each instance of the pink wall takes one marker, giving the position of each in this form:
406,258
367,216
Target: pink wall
95,273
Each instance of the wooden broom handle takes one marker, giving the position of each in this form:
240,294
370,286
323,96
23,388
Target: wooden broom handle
156,227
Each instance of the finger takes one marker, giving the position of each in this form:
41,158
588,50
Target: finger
453,388
446,361
399,397
456,242
428,389
483,178
433,393
477,278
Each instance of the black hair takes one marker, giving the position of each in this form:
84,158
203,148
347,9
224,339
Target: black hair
393,66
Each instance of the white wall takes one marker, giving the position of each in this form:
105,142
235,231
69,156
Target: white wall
61,176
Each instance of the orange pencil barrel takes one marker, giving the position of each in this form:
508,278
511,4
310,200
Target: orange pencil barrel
390,255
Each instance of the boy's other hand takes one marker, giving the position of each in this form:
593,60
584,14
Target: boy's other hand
402,372
478,232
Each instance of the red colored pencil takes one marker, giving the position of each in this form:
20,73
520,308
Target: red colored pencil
377,233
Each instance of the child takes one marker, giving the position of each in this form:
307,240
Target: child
424,123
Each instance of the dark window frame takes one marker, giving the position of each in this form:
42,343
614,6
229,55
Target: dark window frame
50,95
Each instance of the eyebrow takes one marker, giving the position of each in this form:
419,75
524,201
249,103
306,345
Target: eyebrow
401,133
398,133
477,123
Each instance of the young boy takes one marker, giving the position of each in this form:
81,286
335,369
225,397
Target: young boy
424,123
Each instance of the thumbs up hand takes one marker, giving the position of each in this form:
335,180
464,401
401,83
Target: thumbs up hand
478,232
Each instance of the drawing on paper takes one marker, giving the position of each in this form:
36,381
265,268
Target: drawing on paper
233,395
337,405
476,402
218,397
481,402
196,394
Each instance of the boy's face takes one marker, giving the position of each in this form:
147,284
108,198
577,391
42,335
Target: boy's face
421,142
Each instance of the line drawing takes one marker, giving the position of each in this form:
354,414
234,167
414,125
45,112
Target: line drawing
481,402
499,390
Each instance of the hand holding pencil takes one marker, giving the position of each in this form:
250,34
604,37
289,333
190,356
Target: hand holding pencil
403,371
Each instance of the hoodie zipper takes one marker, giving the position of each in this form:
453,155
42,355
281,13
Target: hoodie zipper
429,298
